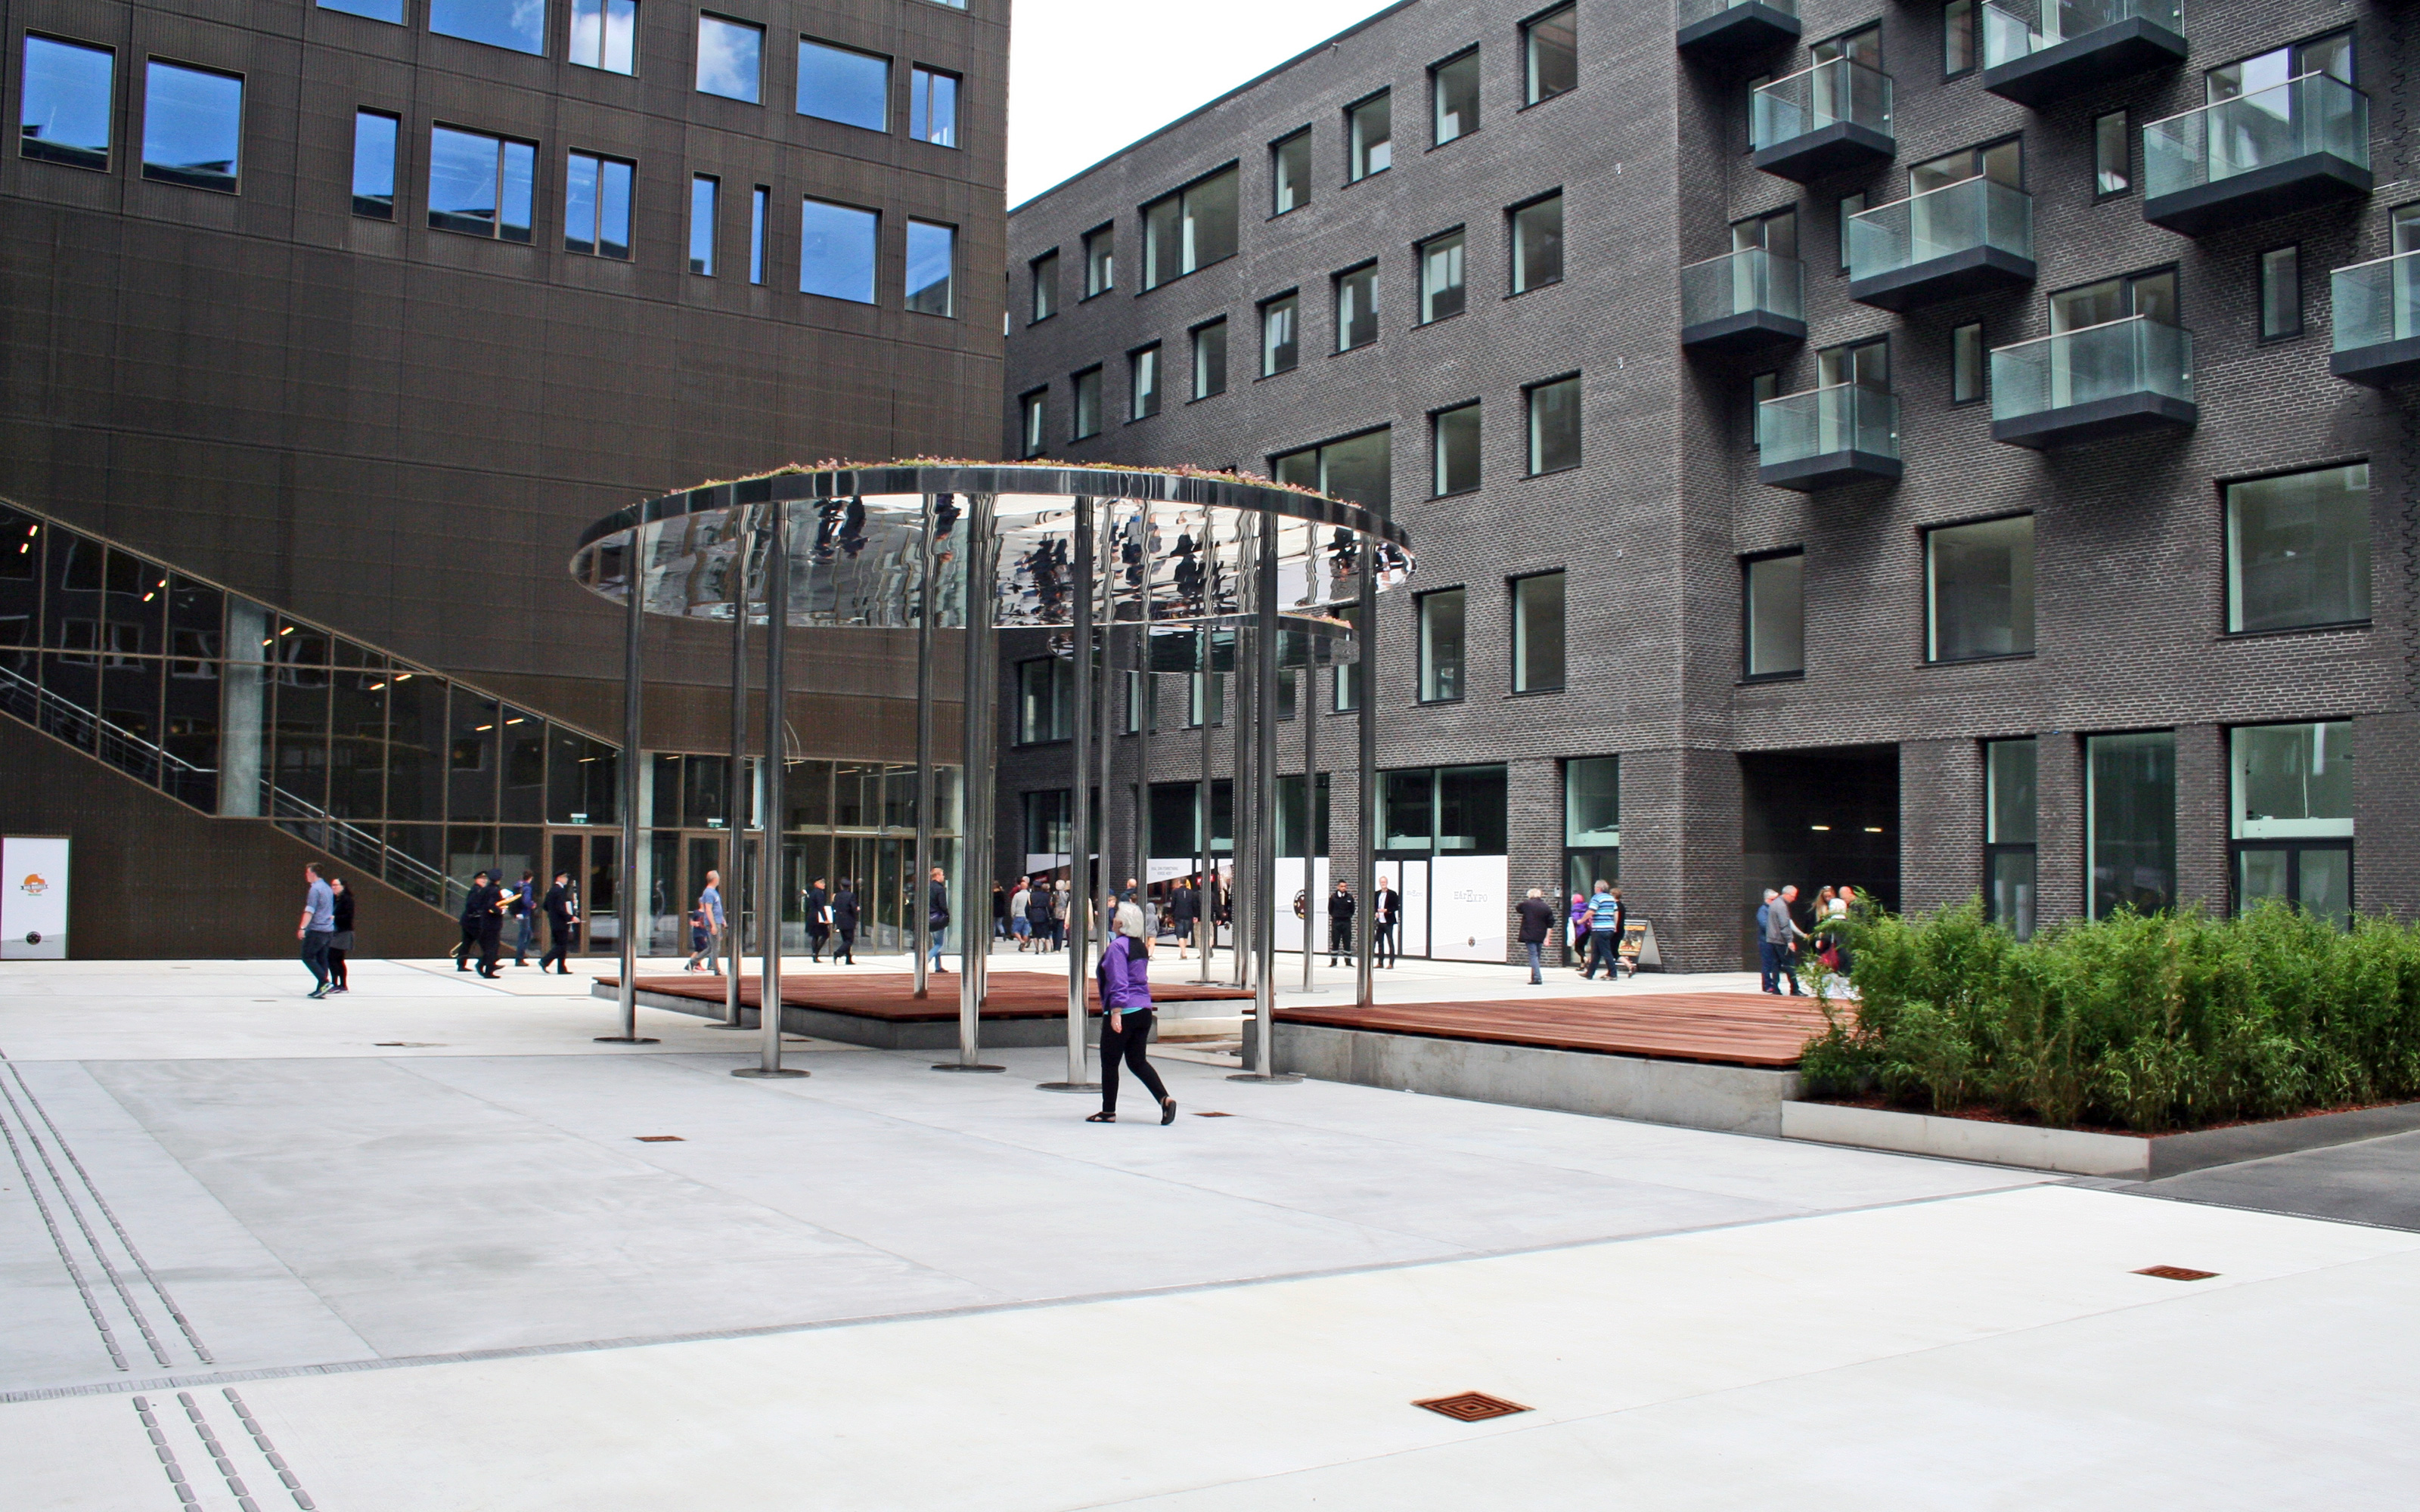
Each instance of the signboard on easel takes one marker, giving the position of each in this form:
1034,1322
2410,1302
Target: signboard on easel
33,898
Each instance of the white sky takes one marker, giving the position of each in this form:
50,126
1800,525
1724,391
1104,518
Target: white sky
1087,77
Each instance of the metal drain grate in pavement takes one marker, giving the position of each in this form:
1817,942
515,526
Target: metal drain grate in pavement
1472,1407
660,1139
2176,1273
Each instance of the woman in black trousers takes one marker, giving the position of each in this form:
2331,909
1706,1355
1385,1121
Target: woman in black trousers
340,944
1124,974
844,922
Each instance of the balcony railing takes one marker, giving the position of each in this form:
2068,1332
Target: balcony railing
1743,302
2036,51
1972,235
1821,120
1734,28
2378,320
2129,374
1822,437
2290,145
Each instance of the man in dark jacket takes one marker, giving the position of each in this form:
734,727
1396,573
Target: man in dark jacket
562,918
472,912
937,912
843,923
1340,924
818,916
482,911
1538,921
1385,918
524,908
1184,908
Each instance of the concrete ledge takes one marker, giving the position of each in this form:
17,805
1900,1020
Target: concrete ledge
883,1034
2079,1153
1728,1099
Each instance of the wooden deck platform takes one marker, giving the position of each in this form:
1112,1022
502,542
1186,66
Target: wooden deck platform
1721,1029
890,997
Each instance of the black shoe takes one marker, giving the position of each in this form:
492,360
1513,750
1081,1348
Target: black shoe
1167,1111
1105,1116
459,966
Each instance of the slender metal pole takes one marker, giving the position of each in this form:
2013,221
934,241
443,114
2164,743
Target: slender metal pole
769,864
634,580
920,908
1365,648
1079,799
734,803
1107,711
977,779
1265,793
1206,918
1307,709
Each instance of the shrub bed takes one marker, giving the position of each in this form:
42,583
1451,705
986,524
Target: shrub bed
2171,1021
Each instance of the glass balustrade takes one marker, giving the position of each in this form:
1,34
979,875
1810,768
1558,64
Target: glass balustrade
2016,32
2375,301
2303,117
1811,99
1750,281
2137,357
1941,223
1848,417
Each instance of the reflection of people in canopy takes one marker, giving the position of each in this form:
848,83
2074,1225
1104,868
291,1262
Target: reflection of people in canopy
1187,573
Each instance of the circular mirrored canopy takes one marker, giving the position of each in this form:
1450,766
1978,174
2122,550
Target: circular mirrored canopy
1176,547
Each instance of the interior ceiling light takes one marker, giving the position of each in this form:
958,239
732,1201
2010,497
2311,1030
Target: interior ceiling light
1820,828
1873,829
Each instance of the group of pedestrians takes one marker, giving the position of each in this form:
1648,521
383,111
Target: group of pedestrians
1036,914
1781,940
326,931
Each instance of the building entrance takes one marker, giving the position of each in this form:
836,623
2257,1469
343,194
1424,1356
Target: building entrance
1816,819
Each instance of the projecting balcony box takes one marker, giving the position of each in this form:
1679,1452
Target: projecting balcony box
2291,146
2376,340
1743,302
1960,239
2112,379
1734,28
2080,43
1822,437
1821,120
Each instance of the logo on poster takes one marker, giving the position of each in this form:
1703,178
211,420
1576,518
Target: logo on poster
34,885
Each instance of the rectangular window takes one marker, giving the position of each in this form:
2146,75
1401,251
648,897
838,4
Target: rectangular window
1290,173
1044,273
2008,833
596,206
605,35
1356,467
1369,133
1347,693
1209,359
2298,550
1978,590
1142,383
374,142
1592,801
1279,343
2291,818
480,185
1760,387
1441,625
1207,697
2403,225
1048,827
1864,363
2113,160
1453,89
1045,701
386,10
1966,363
1190,229
1357,307
193,126
1957,37
1442,288
65,104
1851,207
841,83
760,222
2129,832
2279,273
836,251
1034,410
932,267
933,106
704,195
1456,461
1100,261
1538,243
1775,614
730,58
519,25
1554,425
1087,388
1551,54
1538,633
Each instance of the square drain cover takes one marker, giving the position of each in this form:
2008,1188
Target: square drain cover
2176,1273
1472,1407
660,1139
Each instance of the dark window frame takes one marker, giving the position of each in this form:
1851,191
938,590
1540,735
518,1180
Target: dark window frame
1434,416
243,99
1388,93
1084,243
1074,406
2218,490
1193,357
1983,394
1973,40
1925,629
116,84
1421,678
1302,132
1261,334
2301,327
1032,264
1335,296
1512,245
1419,273
1142,223
1528,424
1746,617
1447,61
1842,215
1033,440
1512,637
2125,135
1530,98
1160,380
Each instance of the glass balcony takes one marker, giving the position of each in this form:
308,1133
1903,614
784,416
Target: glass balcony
1960,239
2378,321
2038,52
1822,120
1743,302
1825,436
2112,379
1734,28
2285,148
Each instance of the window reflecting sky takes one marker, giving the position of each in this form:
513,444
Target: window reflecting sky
931,251
193,126
836,85
65,104
391,11
729,58
836,252
518,25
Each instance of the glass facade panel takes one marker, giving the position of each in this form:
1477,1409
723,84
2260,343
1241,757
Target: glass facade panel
1087,388
1592,801
519,25
193,126
2131,822
1555,425
1142,383
836,251
839,83
596,206
730,58
1979,590
2010,775
2298,549
471,751
704,197
480,185
64,105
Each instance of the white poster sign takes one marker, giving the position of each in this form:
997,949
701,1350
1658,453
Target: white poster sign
1411,881
33,899
1290,883
1467,907
1168,868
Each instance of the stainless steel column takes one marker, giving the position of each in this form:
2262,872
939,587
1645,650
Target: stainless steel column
1365,651
1264,795
920,910
634,579
1107,540
735,802
1079,799
769,863
977,777
1205,856
1307,709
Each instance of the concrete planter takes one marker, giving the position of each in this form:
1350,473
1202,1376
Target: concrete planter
2077,1153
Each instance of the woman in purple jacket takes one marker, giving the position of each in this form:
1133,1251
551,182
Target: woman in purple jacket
1126,1020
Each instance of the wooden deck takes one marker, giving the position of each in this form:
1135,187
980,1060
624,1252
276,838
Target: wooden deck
1729,1028
890,997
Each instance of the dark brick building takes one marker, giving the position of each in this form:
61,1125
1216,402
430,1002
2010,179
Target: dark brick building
2088,583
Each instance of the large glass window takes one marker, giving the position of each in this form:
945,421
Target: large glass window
63,106
1966,362
1045,701
1280,344
1442,287
1087,388
596,206
374,144
839,83
1775,614
1044,273
704,196
1209,359
480,185
1456,461
386,10
1142,383
1957,37
1592,801
1290,173
605,35
730,58
1101,260
1453,93
2298,549
932,264
1538,243
1356,467
1368,132
836,251
933,106
1554,425
1441,645
517,24
1357,307
1552,53
2278,274
2113,146
2291,818
1538,633
1190,229
1978,590
1457,811
2130,835
1034,410
193,126
2010,831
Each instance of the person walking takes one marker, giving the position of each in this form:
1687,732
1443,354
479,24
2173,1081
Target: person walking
524,909
1537,918
1063,905
340,944
1184,912
1385,918
317,928
1124,973
1037,914
468,951
998,911
1342,906
937,912
707,940
562,916
1781,937
1020,926
1604,931
488,899
819,909
1575,933
843,909
1767,980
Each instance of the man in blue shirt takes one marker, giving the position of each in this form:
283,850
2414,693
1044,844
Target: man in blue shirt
1604,931
317,928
